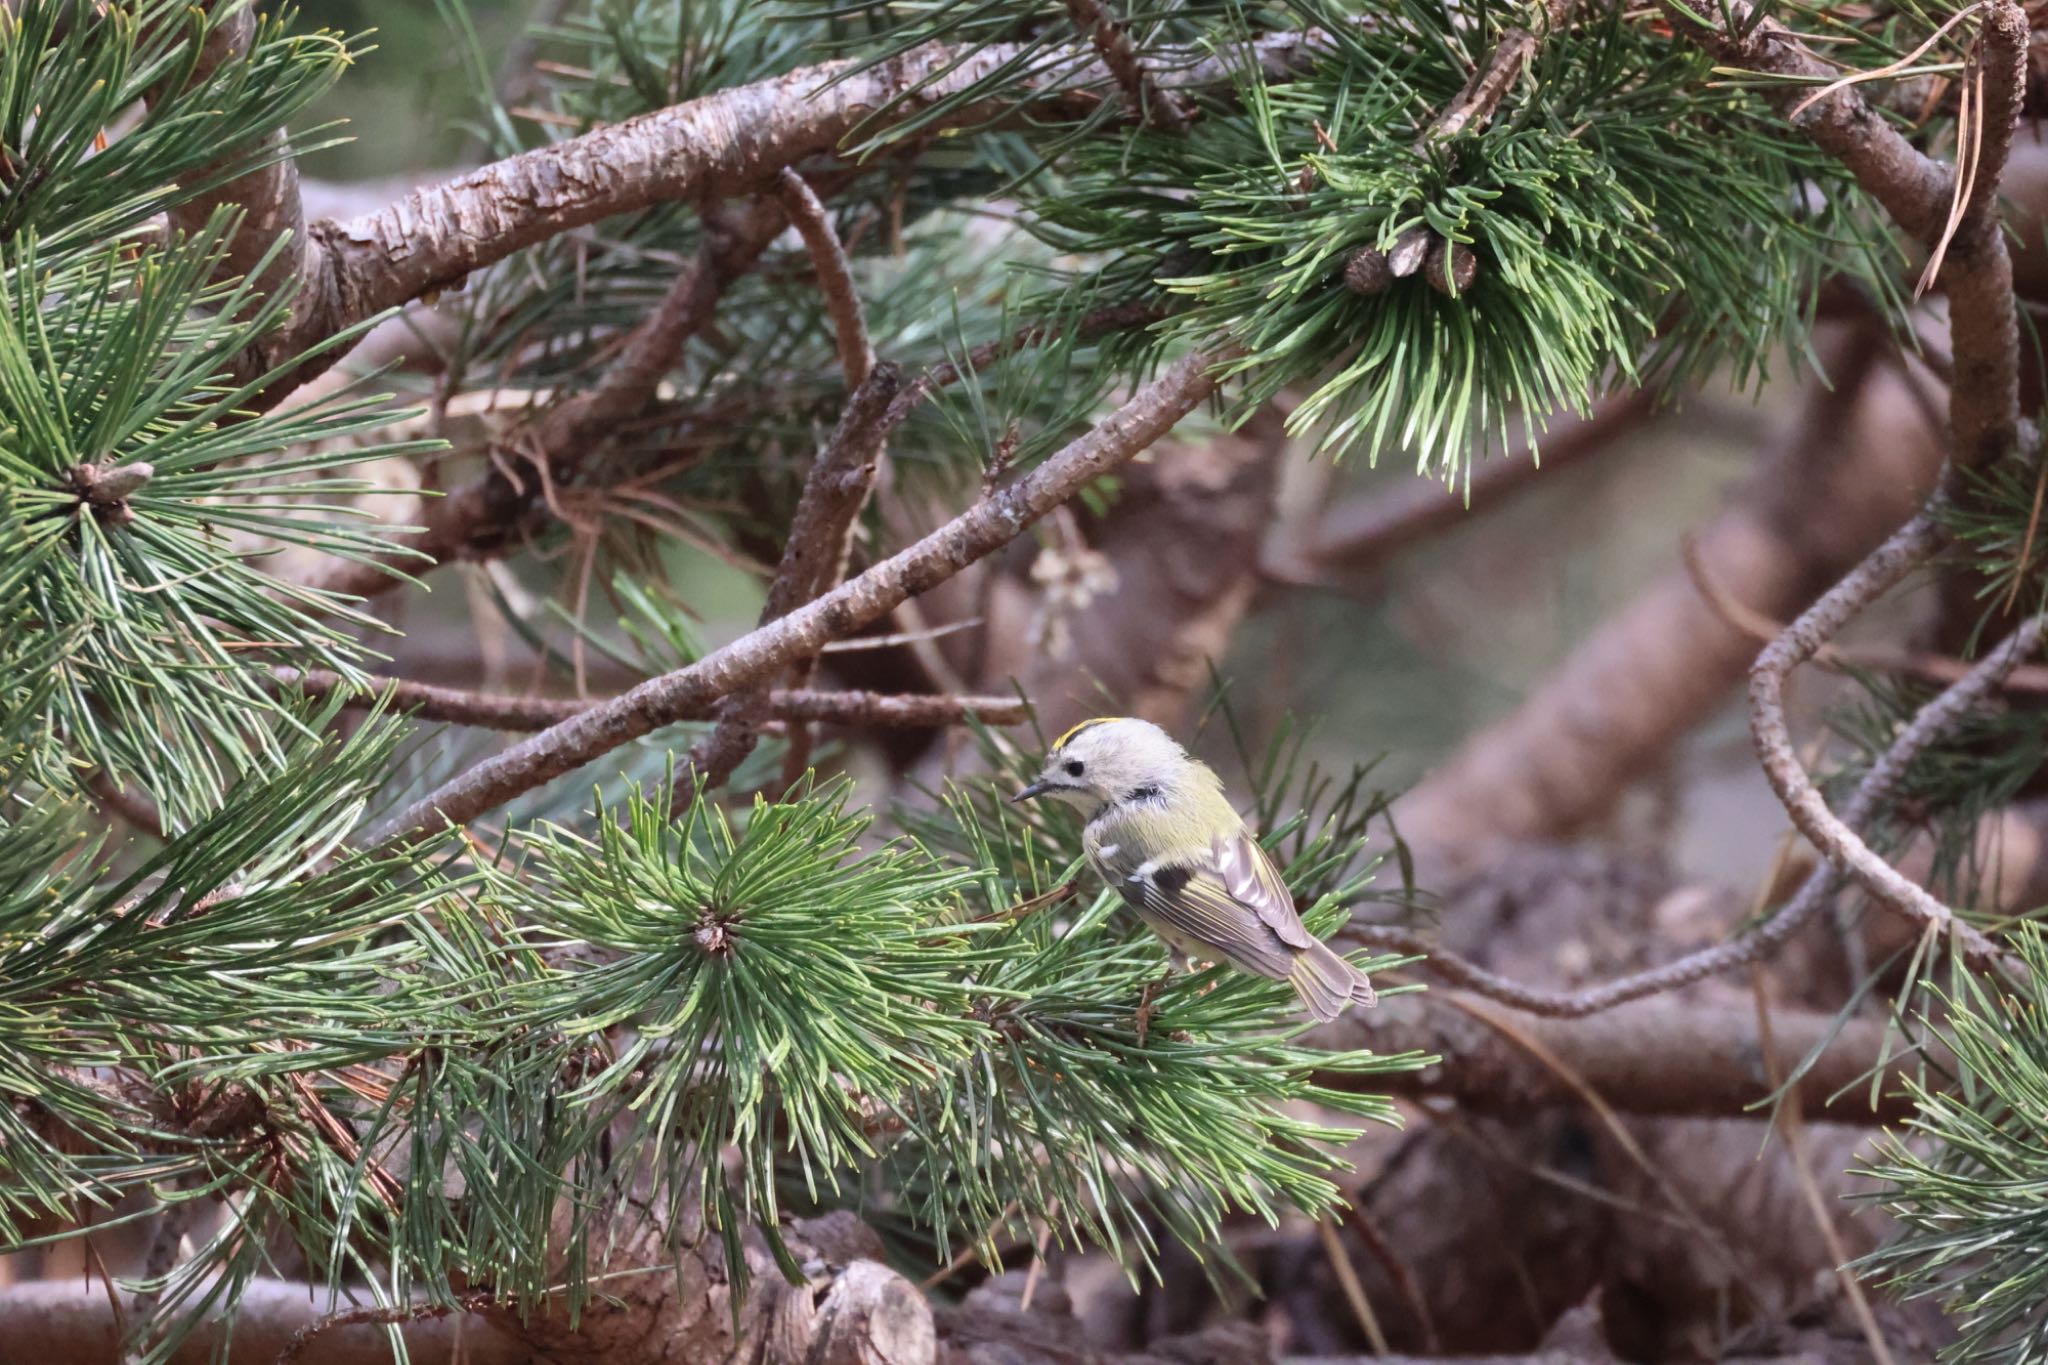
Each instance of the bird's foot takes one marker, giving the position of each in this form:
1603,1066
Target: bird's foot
1151,989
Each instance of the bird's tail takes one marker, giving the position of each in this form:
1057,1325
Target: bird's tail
1327,983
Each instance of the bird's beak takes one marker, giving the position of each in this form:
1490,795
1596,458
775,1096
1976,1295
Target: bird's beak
1038,788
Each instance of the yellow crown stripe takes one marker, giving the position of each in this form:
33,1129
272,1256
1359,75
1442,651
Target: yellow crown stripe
1061,742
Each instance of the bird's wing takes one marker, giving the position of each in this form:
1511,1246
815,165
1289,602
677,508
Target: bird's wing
1231,899
1247,870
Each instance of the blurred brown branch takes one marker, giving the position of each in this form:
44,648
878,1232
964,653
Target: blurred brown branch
1659,666
1652,1057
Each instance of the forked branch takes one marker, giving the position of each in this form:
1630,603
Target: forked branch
981,530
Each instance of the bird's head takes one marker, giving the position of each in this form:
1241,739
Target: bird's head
1108,760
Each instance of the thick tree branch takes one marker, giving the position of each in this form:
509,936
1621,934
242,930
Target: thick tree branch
863,710
984,528
732,142
1652,1058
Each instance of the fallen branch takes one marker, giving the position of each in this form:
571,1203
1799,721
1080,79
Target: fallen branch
982,529
454,706
1659,1058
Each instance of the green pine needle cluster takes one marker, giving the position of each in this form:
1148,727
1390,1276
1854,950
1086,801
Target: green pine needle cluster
1968,1177
1631,224
138,501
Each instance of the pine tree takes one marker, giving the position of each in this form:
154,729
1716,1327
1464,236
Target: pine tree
617,1017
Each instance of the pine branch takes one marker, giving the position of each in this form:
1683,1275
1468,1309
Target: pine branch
820,542
1919,193
976,533
454,706
814,556
1512,52
731,142
1836,837
1370,270
1147,101
835,276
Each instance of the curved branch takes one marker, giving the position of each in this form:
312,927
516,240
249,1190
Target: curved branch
486,515
1935,720
1919,193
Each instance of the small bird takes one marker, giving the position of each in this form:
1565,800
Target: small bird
1161,831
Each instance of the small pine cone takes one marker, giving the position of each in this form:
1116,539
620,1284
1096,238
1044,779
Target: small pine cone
1368,273
1452,267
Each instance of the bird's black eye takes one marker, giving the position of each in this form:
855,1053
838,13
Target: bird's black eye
1073,767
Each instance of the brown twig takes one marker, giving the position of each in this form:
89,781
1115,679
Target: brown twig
813,561
1369,270
1398,1271
863,710
987,526
1935,721
1142,94
1835,838
1763,629
486,515
820,543
835,276
1475,105
371,1315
